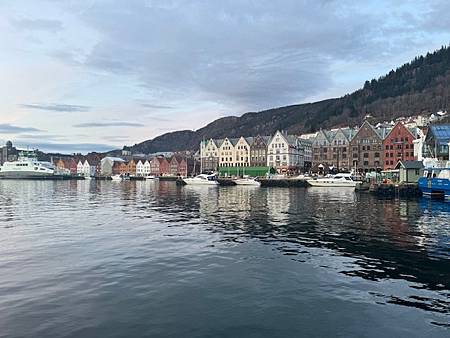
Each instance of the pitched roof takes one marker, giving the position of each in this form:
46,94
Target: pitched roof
409,164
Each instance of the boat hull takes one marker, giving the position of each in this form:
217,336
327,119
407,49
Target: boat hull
193,181
435,187
25,174
245,182
331,184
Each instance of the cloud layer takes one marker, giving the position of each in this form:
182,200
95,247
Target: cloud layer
6,128
57,107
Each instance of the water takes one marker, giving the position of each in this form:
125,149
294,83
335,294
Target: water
134,259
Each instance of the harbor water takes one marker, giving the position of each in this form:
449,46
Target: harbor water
154,259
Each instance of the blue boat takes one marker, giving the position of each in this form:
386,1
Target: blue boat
435,182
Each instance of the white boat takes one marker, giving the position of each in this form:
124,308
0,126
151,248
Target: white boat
151,177
201,179
247,181
338,181
27,166
116,177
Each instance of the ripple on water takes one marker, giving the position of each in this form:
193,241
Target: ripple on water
150,258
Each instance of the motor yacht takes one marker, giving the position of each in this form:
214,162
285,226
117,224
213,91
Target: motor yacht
339,180
201,179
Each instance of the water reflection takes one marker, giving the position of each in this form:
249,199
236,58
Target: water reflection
390,243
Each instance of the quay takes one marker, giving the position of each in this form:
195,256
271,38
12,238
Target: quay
403,190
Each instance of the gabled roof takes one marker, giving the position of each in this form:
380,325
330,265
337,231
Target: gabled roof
441,133
389,130
409,165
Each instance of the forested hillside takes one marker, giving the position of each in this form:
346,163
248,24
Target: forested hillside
422,85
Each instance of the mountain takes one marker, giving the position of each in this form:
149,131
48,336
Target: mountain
422,85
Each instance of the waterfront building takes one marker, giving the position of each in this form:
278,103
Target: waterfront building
107,164
339,151
258,150
366,148
398,146
242,153
409,171
139,168
132,168
159,166
146,168
305,153
227,153
209,155
436,143
320,150
80,167
282,153
178,166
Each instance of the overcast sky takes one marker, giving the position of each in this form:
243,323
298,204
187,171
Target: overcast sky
98,74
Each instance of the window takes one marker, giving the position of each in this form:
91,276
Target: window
377,154
387,147
366,155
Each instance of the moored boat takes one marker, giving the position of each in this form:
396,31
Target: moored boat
27,166
247,181
338,181
201,179
435,182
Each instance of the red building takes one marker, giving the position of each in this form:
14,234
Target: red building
398,146
159,166
178,166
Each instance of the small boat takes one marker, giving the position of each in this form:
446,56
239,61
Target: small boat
338,181
436,182
116,177
150,177
88,177
201,179
247,181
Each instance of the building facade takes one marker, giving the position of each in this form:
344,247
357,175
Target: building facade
227,153
366,149
258,150
209,155
398,145
282,153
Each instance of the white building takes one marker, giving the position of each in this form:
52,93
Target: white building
80,168
283,153
107,163
146,168
140,168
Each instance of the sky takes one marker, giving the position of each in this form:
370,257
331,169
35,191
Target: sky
94,75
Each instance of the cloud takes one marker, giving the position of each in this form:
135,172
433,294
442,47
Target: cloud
57,107
37,24
155,106
251,54
6,128
108,124
64,147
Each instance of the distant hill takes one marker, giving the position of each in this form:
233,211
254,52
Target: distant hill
422,85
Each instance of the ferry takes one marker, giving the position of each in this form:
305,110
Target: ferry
435,182
27,166
337,181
